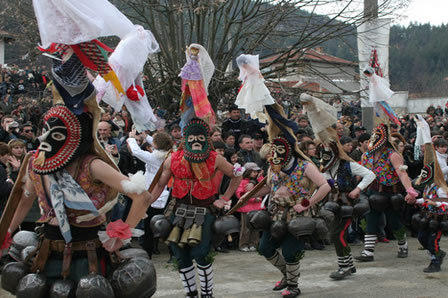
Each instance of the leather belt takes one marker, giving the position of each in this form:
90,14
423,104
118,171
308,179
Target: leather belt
59,245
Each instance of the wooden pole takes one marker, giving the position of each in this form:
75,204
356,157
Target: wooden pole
370,12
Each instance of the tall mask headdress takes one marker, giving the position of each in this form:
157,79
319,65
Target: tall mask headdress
379,138
431,171
284,144
328,155
322,117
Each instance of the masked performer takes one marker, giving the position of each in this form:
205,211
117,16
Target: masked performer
432,219
341,173
70,174
293,180
382,159
192,167
76,185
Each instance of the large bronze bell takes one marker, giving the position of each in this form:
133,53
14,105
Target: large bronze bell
184,239
195,235
174,235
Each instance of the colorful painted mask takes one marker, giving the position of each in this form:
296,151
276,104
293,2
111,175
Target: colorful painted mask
280,152
378,139
197,143
328,155
65,137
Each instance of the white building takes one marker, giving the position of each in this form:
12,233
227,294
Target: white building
315,71
5,37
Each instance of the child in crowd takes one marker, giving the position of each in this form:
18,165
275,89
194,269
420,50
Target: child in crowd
248,236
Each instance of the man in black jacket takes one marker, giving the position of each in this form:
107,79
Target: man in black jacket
235,123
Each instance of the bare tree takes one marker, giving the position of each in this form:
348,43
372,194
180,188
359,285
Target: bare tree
227,28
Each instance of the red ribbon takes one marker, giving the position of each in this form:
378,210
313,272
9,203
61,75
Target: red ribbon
305,203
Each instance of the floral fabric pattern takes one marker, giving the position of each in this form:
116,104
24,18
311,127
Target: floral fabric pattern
382,168
293,182
99,193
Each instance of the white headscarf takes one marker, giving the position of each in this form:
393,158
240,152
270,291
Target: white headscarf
248,64
205,63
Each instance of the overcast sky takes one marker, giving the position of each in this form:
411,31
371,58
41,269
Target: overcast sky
424,11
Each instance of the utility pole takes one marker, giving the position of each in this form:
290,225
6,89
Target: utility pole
370,12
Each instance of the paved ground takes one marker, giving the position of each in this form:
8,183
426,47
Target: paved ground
239,274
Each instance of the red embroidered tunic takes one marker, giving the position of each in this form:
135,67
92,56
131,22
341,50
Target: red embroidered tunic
97,191
184,180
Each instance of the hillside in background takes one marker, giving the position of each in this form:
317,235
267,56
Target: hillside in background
418,53
418,58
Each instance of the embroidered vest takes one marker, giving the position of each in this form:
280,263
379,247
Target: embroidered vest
383,168
186,183
294,182
97,191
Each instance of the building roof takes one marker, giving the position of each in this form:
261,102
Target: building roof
310,55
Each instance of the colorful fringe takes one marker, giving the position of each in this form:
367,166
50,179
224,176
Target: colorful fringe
202,107
388,111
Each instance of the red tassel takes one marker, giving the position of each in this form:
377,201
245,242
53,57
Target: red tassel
305,203
133,92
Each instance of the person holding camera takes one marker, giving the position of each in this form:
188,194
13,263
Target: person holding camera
110,144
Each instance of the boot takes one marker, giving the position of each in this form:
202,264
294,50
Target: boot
432,268
365,256
188,277
441,256
291,292
369,248
344,269
279,262
292,278
193,294
436,263
206,278
402,252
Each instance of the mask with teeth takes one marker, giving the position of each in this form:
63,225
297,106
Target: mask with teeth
197,145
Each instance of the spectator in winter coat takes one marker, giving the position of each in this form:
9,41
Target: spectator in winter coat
248,236
5,182
441,146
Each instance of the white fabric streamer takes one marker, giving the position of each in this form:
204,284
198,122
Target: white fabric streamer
73,22
320,114
423,132
205,63
127,61
254,94
379,88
